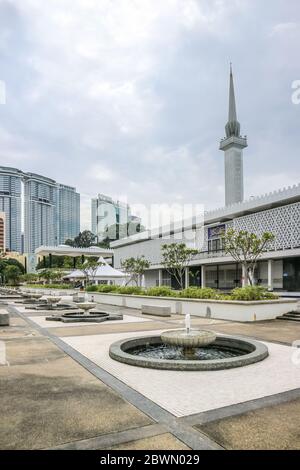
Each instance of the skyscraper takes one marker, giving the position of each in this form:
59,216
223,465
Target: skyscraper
40,212
10,204
233,145
108,213
2,231
68,213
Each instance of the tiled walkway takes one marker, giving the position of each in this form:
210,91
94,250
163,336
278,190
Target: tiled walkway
61,389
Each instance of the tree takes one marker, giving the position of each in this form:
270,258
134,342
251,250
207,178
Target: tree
135,267
12,274
84,239
246,248
4,261
30,277
89,268
46,275
175,258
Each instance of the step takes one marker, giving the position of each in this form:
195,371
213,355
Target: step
293,314
289,318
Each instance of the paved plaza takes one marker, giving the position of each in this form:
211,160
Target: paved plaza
60,388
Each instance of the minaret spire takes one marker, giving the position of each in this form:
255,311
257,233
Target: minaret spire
232,106
233,126
233,146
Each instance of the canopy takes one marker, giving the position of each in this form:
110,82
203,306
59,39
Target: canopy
103,272
66,250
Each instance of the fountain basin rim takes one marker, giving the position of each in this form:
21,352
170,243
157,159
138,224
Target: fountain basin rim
255,352
195,338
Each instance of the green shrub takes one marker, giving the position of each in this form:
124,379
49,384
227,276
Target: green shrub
107,288
130,290
93,288
249,293
197,293
162,291
50,286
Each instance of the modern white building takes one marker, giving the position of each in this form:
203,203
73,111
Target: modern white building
277,212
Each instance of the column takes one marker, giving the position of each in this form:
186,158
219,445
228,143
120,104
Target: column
270,274
202,275
50,260
159,277
187,277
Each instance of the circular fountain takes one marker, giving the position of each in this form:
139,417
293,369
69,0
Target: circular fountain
89,314
188,350
52,301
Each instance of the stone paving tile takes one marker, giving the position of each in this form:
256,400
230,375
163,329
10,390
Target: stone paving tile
103,329
184,393
54,401
162,442
42,322
29,350
274,427
274,330
16,321
18,328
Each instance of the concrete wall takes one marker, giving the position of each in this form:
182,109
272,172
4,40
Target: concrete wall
225,310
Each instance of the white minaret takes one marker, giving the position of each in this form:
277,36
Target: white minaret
233,145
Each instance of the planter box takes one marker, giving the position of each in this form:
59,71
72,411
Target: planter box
217,309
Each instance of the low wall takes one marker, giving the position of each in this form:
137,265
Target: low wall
218,309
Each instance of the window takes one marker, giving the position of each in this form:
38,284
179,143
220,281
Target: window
216,245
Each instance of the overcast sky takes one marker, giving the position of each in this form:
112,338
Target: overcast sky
129,97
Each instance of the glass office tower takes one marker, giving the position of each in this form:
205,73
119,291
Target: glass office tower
10,204
68,213
40,212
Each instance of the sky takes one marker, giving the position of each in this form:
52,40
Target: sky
129,98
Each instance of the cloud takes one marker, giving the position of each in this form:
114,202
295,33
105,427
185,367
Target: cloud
129,98
283,28
100,172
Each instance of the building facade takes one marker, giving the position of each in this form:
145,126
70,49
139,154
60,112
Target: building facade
2,232
38,211
68,213
10,204
107,215
277,212
279,267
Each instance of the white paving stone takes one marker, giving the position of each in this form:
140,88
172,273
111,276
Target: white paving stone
43,323
185,393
